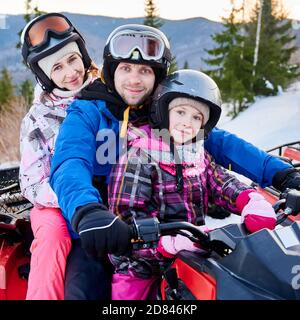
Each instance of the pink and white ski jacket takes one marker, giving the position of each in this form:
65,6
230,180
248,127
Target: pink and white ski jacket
39,130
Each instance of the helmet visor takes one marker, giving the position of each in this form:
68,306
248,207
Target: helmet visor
37,35
150,46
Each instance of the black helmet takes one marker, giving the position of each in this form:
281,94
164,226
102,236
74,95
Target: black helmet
136,43
185,83
45,35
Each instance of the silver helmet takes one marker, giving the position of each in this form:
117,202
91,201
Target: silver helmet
185,83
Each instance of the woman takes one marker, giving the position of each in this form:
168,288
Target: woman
56,54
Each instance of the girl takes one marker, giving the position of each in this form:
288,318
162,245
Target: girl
168,174
56,54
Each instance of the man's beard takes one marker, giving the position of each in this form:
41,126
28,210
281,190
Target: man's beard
139,102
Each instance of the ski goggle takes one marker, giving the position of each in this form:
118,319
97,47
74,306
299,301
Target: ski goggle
37,34
151,47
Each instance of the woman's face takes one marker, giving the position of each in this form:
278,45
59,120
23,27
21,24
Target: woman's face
185,123
68,72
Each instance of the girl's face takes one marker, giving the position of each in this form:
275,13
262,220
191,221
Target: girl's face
185,123
68,72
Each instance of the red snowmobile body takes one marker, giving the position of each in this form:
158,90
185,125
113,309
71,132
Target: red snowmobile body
13,285
260,266
15,237
264,265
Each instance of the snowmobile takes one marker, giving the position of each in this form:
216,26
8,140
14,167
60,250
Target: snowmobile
235,265
16,237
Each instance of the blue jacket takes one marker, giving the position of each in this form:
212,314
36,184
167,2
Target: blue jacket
242,157
74,162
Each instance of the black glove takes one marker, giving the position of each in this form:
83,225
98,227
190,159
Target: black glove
217,212
287,178
100,231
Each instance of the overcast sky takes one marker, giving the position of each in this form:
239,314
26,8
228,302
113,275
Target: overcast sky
169,9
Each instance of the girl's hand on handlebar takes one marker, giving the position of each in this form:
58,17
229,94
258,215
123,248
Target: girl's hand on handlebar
169,246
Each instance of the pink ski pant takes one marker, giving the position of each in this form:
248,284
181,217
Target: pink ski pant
49,252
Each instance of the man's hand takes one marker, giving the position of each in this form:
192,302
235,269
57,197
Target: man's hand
101,232
288,178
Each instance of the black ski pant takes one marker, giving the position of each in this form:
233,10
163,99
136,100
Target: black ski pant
87,278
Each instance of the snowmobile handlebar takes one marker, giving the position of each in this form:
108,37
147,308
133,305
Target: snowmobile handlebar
146,232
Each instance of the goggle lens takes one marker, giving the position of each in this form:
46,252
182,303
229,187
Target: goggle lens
38,32
123,45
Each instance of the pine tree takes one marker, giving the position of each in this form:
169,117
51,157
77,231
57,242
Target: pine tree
230,63
152,19
245,68
173,65
186,65
277,44
27,92
31,13
7,89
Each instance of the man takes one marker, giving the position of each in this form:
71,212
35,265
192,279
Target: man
136,59
129,82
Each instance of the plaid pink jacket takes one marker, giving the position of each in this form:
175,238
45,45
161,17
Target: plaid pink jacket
143,184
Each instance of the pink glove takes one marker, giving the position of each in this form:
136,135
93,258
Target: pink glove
169,246
258,213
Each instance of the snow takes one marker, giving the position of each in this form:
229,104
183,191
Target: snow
270,122
212,223
269,85
10,164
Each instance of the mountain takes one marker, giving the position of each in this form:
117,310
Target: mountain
189,38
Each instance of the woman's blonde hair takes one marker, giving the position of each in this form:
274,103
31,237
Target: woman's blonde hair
94,70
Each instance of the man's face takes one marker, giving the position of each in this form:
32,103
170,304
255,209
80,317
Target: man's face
134,82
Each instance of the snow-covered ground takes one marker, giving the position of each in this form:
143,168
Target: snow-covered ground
212,223
270,122
10,164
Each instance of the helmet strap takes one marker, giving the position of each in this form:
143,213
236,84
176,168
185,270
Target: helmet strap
178,166
40,83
